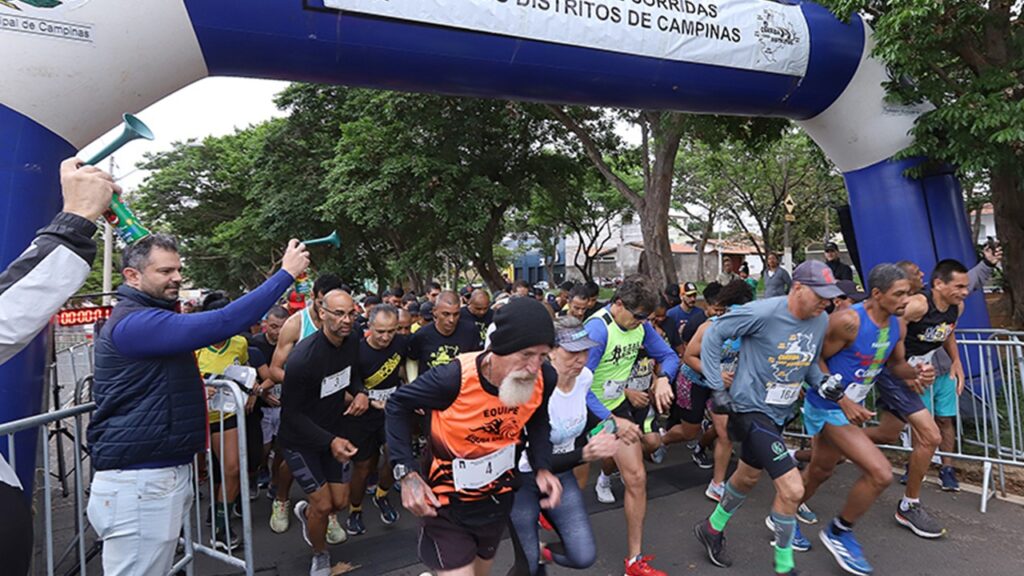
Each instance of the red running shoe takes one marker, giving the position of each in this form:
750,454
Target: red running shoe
642,568
545,555
544,524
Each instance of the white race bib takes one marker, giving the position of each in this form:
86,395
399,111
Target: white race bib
641,384
782,393
857,392
335,382
565,447
380,395
613,389
916,361
479,472
276,390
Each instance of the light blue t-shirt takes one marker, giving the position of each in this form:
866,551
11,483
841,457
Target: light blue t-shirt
778,353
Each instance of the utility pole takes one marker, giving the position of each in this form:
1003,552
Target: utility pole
108,252
789,218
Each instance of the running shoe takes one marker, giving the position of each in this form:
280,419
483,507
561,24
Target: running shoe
388,514
947,476
279,516
236,508
800,543
603,487
300,513
715,491
335,533
714,544
640,567
919,521
321,565
221,540
354,524
263,479
806,515
658,456
542,521
903,478
272,492
846,550
703,458
546,557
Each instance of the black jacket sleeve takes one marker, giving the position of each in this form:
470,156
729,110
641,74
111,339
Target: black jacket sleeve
569,460
435,389
36,285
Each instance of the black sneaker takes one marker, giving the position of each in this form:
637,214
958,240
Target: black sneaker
703,458
223,543
388,514
354,524
919,521
714,544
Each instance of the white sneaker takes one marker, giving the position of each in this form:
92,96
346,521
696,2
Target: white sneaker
604,490
279,516
321,565
715,491
335,533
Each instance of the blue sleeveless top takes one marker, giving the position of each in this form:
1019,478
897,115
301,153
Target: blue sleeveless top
861,362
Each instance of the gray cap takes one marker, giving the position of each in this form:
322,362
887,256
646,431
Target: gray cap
574,340
817,276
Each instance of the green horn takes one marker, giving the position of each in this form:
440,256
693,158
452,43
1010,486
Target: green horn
124,221
333,240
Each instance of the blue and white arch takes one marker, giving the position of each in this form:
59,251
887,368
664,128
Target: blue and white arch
68,73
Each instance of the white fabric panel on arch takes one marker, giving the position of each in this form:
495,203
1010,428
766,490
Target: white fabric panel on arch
746,34
77,66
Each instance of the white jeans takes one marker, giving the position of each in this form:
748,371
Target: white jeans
138,514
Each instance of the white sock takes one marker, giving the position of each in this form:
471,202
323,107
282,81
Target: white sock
906,502
603,478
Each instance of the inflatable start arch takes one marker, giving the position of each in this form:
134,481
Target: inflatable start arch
71,67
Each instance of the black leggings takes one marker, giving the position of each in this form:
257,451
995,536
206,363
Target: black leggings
15,531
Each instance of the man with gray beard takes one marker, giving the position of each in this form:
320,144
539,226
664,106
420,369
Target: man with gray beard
478,406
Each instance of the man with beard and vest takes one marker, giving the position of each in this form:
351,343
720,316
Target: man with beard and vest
150,418
478,407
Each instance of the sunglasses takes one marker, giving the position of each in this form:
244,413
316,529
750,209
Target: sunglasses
640,317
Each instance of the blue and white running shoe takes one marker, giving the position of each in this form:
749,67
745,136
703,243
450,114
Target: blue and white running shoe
847,551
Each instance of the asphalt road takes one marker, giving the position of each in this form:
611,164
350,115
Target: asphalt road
989,544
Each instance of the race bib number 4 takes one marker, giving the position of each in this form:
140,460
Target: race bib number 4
782,393
479,472
335,382
613,389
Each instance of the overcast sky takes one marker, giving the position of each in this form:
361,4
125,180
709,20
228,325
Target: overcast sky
212,106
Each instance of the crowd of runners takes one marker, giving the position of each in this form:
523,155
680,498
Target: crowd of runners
485,413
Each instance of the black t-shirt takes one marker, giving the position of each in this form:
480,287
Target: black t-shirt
480,324
380,368
313,393
260,342
430,348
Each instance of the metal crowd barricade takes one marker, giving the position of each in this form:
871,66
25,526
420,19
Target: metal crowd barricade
229,399
82,547
989,425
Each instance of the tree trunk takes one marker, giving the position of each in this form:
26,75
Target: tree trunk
1008,205
487,268
657,247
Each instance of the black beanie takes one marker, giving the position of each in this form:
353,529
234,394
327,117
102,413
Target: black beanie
521,323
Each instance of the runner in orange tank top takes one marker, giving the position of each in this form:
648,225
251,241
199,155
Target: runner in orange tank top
478,407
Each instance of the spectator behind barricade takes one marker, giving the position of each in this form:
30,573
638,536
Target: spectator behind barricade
60,257
777,281
840,270
727,275
150,418
212,360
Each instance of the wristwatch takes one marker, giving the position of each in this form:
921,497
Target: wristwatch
400,471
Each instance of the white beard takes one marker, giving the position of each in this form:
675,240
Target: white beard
517,388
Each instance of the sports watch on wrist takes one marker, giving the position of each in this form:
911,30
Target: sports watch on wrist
400,471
